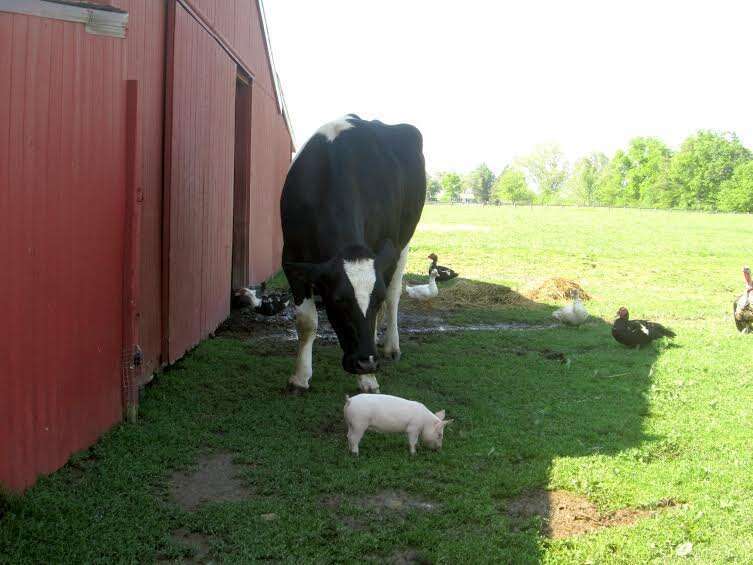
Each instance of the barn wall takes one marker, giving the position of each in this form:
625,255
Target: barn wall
62,196
239,23
200,185
270,158
146,63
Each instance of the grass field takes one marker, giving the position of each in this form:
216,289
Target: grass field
661,436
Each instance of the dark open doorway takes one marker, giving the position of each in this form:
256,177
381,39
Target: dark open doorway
242,182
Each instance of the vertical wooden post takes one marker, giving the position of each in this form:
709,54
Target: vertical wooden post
131,362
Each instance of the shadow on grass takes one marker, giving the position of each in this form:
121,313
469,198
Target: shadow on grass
528,405
528,399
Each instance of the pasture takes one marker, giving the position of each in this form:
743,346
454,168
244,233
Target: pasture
598,454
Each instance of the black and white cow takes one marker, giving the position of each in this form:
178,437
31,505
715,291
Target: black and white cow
351,202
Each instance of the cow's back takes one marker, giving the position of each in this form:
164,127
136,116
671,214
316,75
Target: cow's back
354,182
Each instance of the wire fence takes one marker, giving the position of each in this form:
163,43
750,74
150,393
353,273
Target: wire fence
471,204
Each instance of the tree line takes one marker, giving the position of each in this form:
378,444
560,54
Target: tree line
710,171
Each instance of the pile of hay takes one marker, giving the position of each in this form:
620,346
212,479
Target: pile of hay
557,289
466,293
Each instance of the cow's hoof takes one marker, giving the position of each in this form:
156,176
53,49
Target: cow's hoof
368,383
295,390
393,354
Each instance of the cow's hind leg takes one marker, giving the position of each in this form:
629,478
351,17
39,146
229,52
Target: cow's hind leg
391,337
306,323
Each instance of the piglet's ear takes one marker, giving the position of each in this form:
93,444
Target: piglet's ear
440,414
446,422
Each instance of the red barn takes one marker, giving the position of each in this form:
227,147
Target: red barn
143,148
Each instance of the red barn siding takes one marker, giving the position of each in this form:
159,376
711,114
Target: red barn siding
146,63
200,188
270,157
62,183
240,24
62,206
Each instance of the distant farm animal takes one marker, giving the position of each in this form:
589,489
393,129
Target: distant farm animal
350,205
444,274
392,414
265,304
424,291
246,296
636,333
574,314
742,307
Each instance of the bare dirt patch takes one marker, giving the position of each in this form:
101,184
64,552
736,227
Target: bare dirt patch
564,514
276,335
246,321
215,480
385,504
197,543
402,557
557,289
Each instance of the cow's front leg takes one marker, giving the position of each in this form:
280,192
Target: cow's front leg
306,323
391,337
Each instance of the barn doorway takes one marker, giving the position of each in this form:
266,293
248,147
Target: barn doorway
242,183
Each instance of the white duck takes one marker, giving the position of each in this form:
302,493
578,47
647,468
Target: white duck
424,291
246,297
574,314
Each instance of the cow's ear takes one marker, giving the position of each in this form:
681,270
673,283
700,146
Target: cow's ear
386,257
311,273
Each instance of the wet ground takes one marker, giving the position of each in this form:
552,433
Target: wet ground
246,323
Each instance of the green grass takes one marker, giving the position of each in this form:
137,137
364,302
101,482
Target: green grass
625,428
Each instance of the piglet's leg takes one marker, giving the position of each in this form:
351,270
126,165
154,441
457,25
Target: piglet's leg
354,438
412,440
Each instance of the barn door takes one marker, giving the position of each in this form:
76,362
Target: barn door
242,183
199,149
62,208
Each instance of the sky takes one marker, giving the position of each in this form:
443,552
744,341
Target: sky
485,81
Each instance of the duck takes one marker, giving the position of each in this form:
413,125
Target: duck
742,307
424,291
246,296
270,304
574,314
635,333
444,274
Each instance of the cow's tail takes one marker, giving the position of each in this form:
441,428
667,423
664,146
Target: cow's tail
347,400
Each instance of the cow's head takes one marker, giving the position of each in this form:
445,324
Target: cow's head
353,286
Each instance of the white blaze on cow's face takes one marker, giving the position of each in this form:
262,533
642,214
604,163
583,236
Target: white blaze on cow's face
362,278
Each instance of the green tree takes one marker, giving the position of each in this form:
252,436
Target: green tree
452,186
480,181
547,169
637,175
511,186
705,161
583,184
433,187
736,193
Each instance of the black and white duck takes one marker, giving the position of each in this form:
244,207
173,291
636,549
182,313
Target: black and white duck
246,296
266,304
635,333
443,273
743,306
